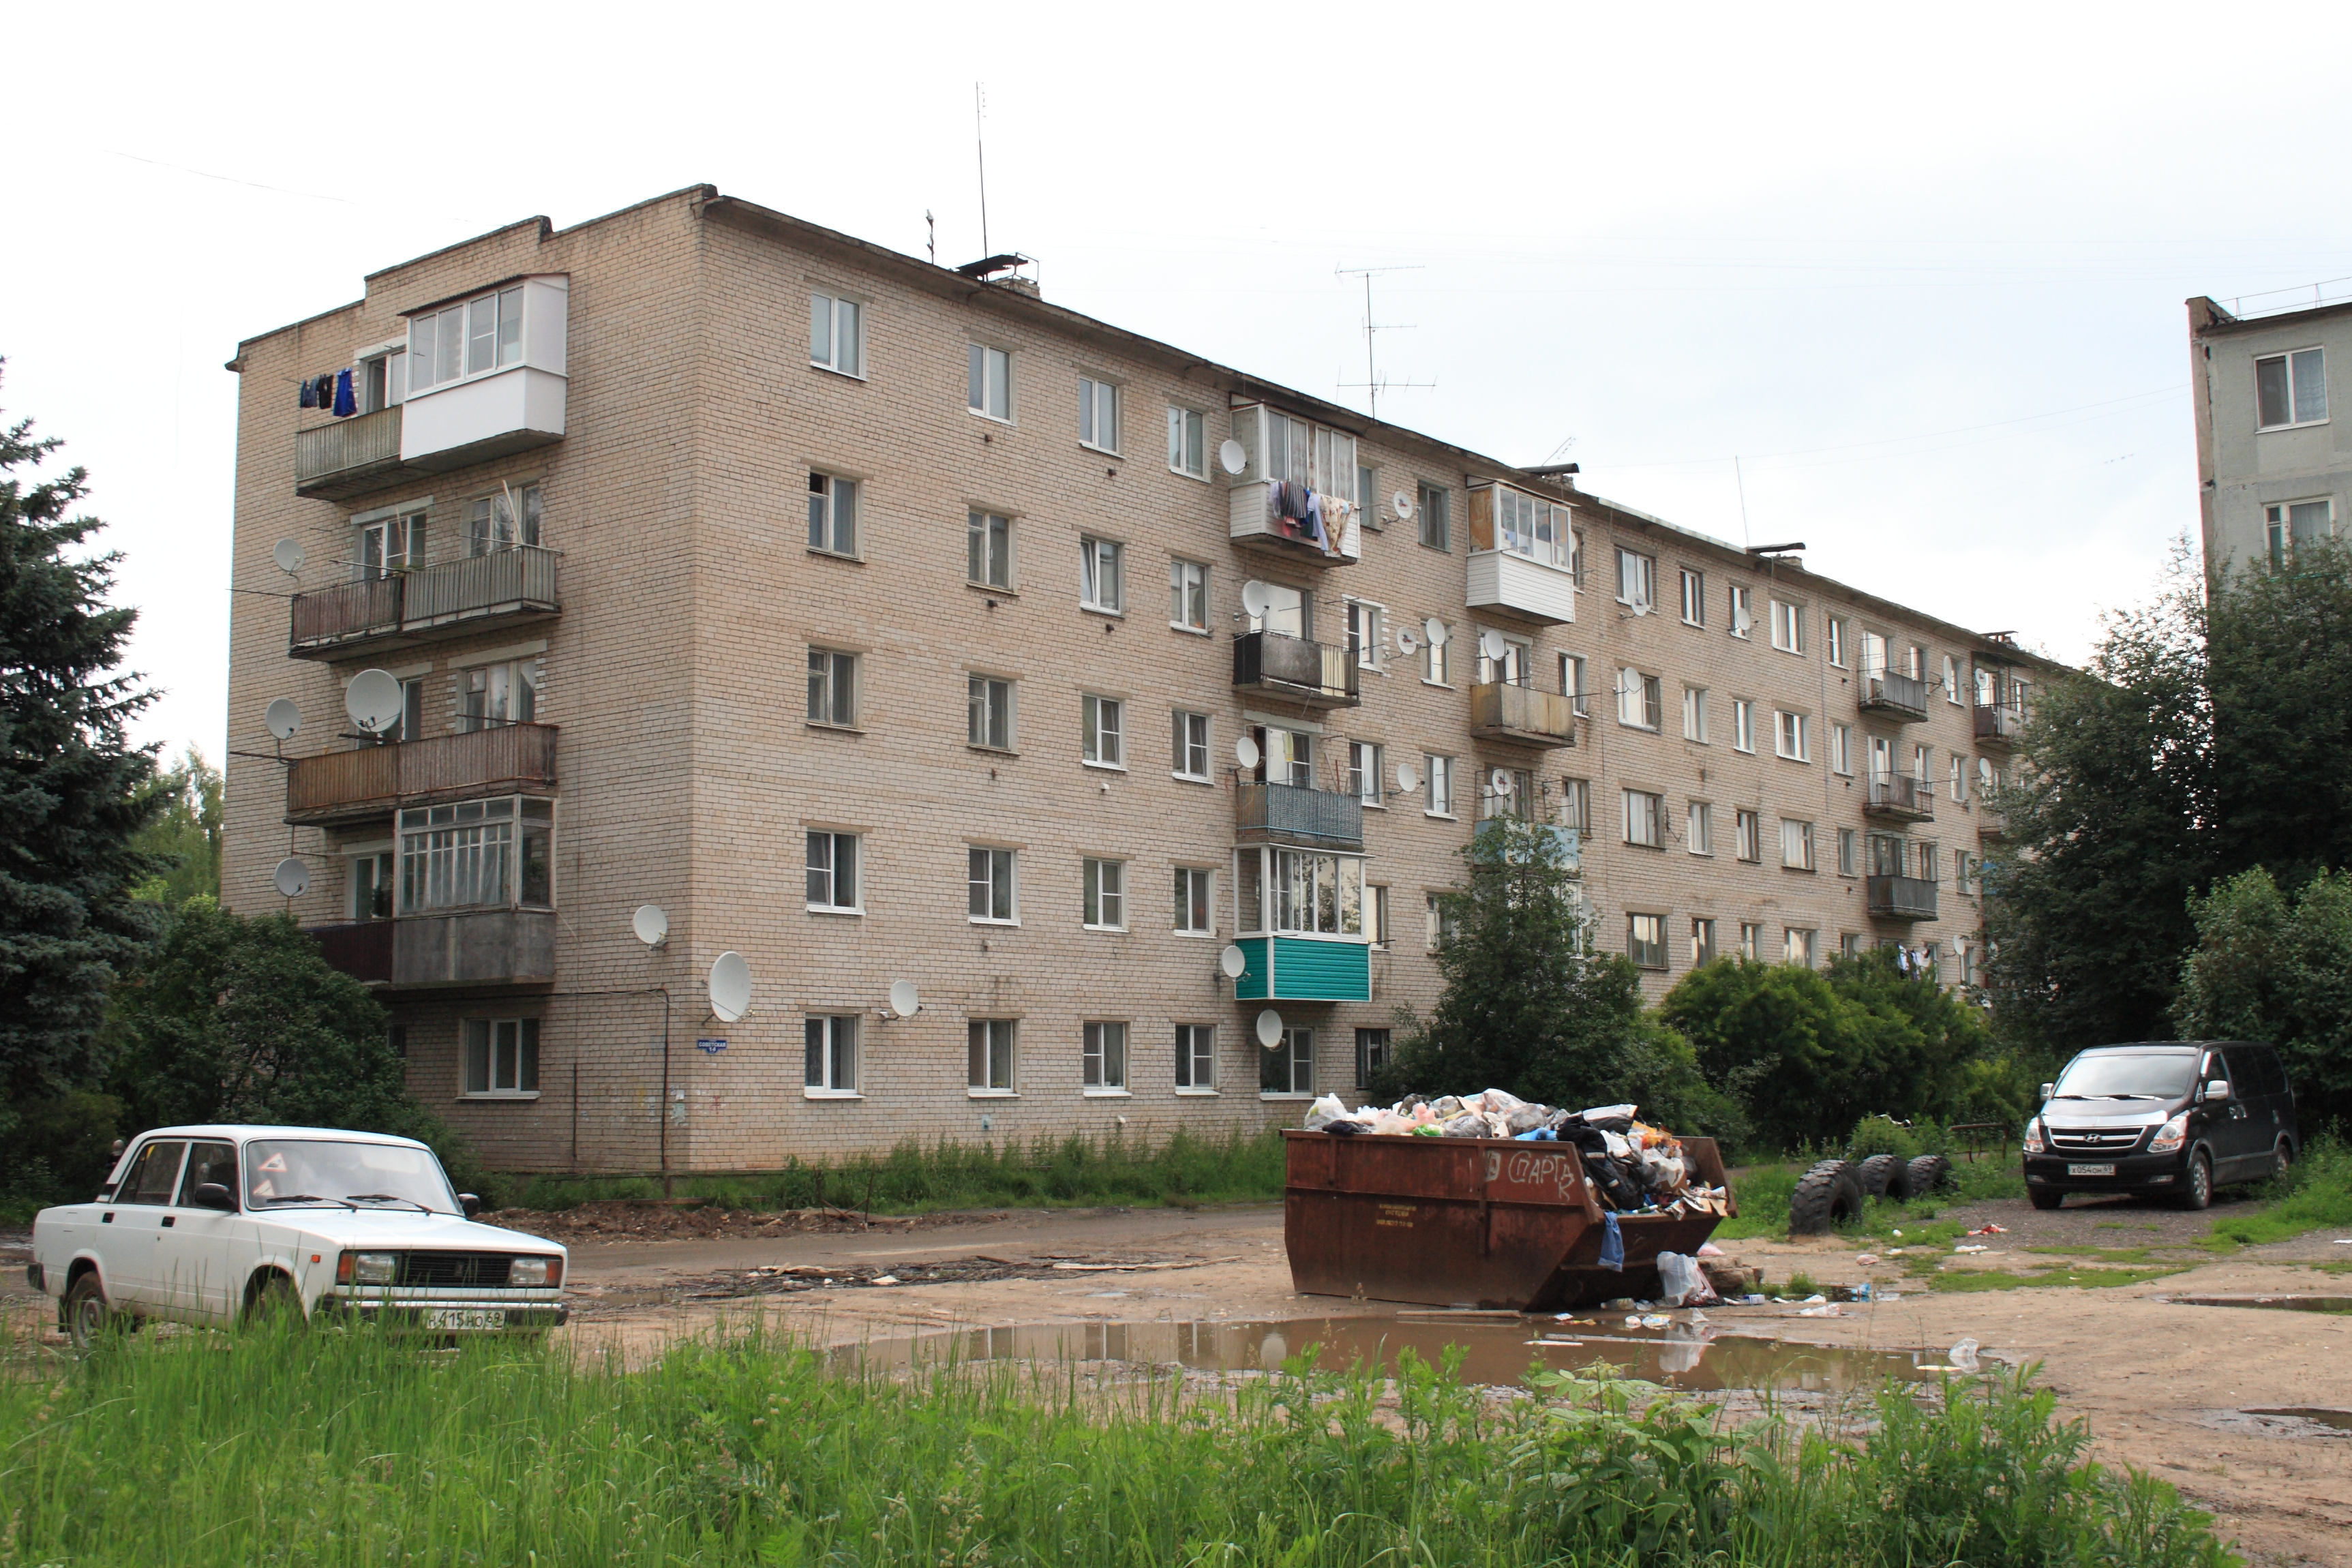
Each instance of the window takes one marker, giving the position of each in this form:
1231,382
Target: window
1743,610
837,334
1571,681
1100,721
1699,836
1702,941
1437,657
1195,906
1952,692
1963,871
1645,940
988,550
1440,772
1099,574
1637,579
989,380
1915,662
2289,526
1928,862
1287,756
492,695
1440,924
832,514
1797,945
451,345
833,872
1837,641
1576,804
990,883
1887,856
496,522
1791,735
1922,768
1188,451
1693,597
1796,845
1365,780
1842,748
1849,856
832,687
1187,596
1105,894
1191,739
1519,800
1376,916
1960,779
1788,626
1523,524
1849,945
1642,818
989,712
1196,1057
1987,779
1364,633
1436,516
2291,389
1098,415
372,886
1747,835
501,1057
1368,496
1516,668
1639,701
1317,895
392,545
153,1173
1694,713
1743,724
1882,757
383,381
1372,1053
1289,1066
1751,940
829,1055
989,1056
1105,1058
478,854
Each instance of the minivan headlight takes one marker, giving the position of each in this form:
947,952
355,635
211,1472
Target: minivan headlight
535,1271
367,1268
2169,1136
2034,1136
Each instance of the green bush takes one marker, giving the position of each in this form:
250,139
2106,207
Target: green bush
1882,1135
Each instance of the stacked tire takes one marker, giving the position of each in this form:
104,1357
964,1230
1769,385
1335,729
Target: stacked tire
1831,1191
1929,1175
1885,1176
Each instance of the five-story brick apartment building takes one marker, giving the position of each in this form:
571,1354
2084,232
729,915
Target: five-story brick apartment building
883,622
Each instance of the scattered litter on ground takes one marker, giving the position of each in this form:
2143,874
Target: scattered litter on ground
1832,1311
1989,1228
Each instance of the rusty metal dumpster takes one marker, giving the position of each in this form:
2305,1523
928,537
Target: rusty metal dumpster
1476,1222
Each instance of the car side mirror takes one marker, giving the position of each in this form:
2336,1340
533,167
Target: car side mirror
2048,1089
2218,1090
213,1196
470,1203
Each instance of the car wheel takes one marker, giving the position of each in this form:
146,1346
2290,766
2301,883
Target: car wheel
2197,1191
89,1317
2045,1199
1929,1173
1830,1191
2281,1159
270,1300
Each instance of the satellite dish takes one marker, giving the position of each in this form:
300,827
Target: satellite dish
1639,605
1269,1029
372,701
651,924
1254,598
1232,962
1741,619
292,877
731,986
903,1000
284,716
1401,503
1501,779
1233,456
1408,777
288,554
1407,644
1493,644
1435,630
1245,753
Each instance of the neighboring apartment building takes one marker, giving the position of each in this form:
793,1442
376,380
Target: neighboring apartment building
2274,471
883,622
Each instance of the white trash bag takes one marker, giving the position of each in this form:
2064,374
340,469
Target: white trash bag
1679,1278
1324,1111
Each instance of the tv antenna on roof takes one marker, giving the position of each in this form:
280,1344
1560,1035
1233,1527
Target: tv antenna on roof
1372,385
980,141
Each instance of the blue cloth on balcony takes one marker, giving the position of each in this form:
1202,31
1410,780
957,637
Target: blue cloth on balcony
310,393
345,404
1312,515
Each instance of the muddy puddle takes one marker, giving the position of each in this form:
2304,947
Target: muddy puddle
1683,1355
2270,1303
2291,1421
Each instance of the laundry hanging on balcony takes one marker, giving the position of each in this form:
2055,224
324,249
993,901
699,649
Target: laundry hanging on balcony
310,398
345,404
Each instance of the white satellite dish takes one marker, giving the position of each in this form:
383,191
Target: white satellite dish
288,554
1269,1029
1638,604
1233,456
1493,644
903,1000
284,717
731,986
1401,504
1435,630
1407,644
1408,777
1245,753
292,877
1501,779
1254,598
651,923
372,701
1741,619
1232,962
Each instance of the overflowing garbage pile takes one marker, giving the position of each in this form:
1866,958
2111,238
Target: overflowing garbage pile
1633,1168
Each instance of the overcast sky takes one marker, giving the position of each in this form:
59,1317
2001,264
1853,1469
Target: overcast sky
1921,270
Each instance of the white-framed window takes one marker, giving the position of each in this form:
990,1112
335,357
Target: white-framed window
1645,940
829,1054
1698,835
1987,777
2291,389
1439,925
1098,415
1317,894
1788,626
1372,1053
1437,659
1923,768
392,545
1793,735
1288,1068
1927,856
1364,633
2289,526
458,341
832,514
1637,578
373,878
989,376
1849,853
1842,748
1571,682
1376,915
1797,945
1196,1057
1576,804
1099,576
1365,777
1959,770
502,1058
1849,944
1836,635
1748,834
989,879
1702,941
1101,722
478,854
1285,756
384,379
1518,801
1189,738
1196,907
1438,774
1641,813
1187,596
1435,515
1693,597
1640,702
1368,495
1796,845
1751,940
832,687
1525,525
1694,713
508,517
1103,1058
833,885
1743,724
837,334
989,712
1187,437
1952,692
988,1055
491,696
1882,757
1105,883
1743,610
988,550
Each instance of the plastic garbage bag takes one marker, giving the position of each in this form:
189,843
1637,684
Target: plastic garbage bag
1678,1277
1539,1135
1502,1100
1467,1125
1620,1146
1662,1173
1964,1356
1445,1107
1344,1127
1326,1109
1614,1118
1709,1250
1523,1119
1390,1123
1613,1244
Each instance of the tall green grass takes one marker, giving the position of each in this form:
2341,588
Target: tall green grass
331,1450
1763,1193
2314,1193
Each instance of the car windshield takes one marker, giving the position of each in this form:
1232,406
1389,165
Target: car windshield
2128,1074
279,1172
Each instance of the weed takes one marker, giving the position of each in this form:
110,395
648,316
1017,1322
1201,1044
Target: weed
2088,1278
2315,1193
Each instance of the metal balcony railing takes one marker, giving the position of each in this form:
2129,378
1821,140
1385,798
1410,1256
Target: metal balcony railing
1502,711
1283,813
1889,691
362,949
440,600
458,948
1900,795
370,781
1902,898
347,612
1997,725
1294,667
348,456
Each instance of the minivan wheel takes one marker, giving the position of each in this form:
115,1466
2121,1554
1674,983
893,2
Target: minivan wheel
2281,1159
2197,1191
2044,1198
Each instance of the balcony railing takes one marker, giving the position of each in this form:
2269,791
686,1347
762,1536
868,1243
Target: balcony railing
349,457
371,780
1292,814
1998,725
1900,795
470,948
1902,898
438,601
362,949
1888,691
1501,712
1292,667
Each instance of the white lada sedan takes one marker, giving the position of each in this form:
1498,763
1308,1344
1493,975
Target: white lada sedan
213,1224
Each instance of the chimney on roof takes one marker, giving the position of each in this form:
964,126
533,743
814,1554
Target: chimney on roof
1003,271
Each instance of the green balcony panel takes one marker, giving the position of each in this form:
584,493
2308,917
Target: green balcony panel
1303,968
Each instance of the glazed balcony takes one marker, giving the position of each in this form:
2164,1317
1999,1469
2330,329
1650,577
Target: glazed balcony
512,586
1902,899
469,948
1894,694
1998,725
1292,669
1293,814
1522,715
373,781
349,457
1254,521
1901,797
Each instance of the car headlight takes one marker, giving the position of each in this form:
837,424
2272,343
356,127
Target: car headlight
535,1271
367,1268
2169,1136
2034,1136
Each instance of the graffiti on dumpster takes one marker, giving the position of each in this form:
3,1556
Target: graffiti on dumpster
1548,1175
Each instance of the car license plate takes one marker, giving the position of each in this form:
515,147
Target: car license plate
465,1318
2090,1170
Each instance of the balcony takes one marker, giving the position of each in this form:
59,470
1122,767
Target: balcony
1275,664
349,457
1520,585
1293,814
482,949
1303,968
1254,521
473,593
1902,899
1901,797
362,949
1522,715
1998,725
498,409
1898,696
372,781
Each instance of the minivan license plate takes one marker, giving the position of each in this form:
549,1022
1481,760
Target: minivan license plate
2090,1170
465,1318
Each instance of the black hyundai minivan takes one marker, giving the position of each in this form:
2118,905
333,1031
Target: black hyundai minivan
2163,1118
